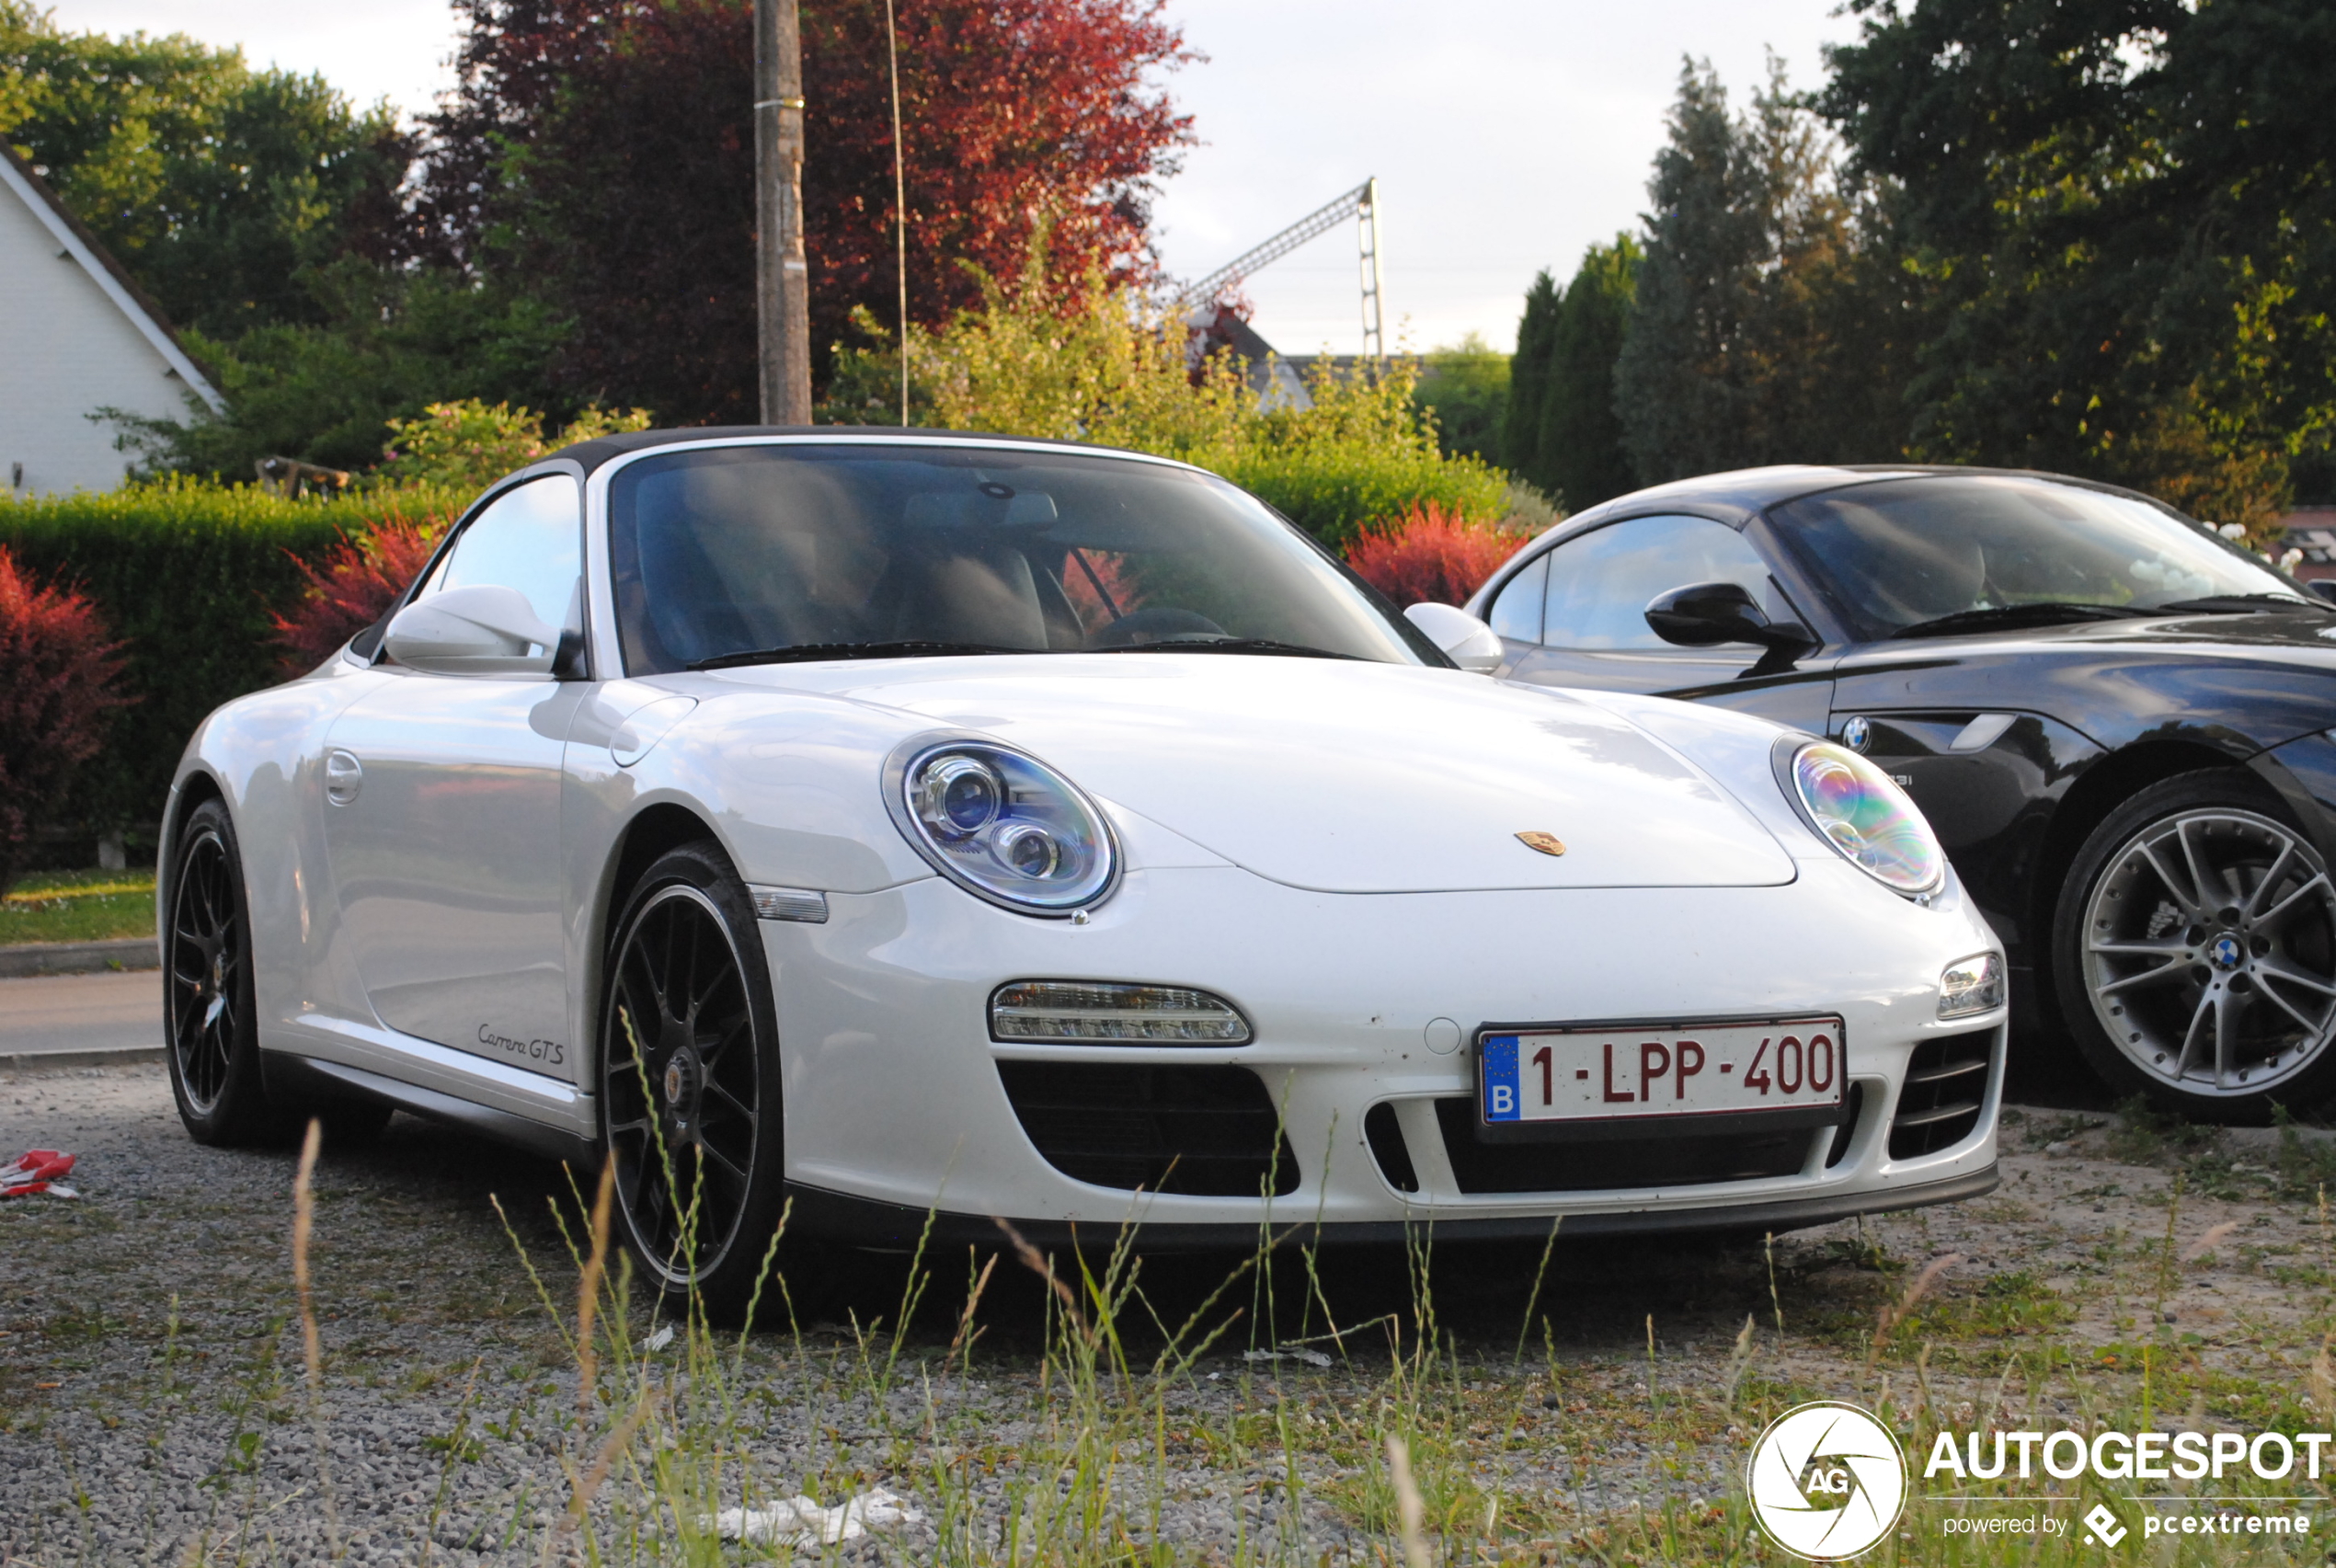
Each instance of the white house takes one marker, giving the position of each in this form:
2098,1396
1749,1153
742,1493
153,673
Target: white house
75,336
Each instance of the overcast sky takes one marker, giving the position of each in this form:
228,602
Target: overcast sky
1506,134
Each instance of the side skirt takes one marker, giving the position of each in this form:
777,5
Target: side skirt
308,1077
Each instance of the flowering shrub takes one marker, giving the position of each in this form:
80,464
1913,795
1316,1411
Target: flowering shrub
1079,359
58,670
351,586
469,445
1430,555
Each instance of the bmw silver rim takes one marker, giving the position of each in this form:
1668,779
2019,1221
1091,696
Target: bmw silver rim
206,969
682,1083
2210,953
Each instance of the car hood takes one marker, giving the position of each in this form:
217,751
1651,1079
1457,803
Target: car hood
1341,777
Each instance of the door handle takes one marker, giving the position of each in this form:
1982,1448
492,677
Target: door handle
344,776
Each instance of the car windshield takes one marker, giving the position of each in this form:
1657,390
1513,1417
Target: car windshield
1906,553
800,551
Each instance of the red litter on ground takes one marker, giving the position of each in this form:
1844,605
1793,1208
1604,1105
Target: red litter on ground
37,1170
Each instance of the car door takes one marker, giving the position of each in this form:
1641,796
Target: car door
443,812
1576,617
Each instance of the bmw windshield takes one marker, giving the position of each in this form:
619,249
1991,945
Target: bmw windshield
1933,557
769,554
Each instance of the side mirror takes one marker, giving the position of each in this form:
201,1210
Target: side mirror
1464,639
2324,588
486,629
1706,614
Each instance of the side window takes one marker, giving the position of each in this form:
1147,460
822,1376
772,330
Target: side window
1599,583
531,539
1517,614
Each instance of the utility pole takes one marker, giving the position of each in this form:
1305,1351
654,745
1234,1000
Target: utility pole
782,275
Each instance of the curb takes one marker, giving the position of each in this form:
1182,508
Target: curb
59,1061
31,958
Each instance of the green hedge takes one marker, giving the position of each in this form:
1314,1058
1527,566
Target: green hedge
1335,492
188,576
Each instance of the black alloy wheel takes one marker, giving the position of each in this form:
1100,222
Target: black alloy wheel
2195,950
208,1007
689,1085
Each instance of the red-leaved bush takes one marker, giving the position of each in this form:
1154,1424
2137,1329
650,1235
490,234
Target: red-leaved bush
59,671
350,588
1430,555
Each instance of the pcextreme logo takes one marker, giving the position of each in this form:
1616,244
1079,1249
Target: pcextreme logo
1826,1481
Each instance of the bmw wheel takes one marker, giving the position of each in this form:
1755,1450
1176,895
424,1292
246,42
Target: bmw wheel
2195,950
689,1085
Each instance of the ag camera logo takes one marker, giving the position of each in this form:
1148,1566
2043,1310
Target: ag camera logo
1826,1481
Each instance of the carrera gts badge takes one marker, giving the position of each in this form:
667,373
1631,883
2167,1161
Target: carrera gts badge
1548,843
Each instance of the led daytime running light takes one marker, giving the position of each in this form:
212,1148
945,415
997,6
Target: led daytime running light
1045,1011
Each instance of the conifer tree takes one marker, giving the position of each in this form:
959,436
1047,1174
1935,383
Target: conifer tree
1527,382
1580,439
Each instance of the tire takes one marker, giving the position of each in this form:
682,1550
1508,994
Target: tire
2195,950
688,1089
209,1016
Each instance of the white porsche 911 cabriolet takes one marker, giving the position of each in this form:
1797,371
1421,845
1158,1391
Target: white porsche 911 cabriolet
911,825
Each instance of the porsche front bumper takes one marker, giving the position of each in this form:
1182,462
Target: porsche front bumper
897,1108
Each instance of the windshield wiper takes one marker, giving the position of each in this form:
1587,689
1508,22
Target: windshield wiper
2240,604
2044,613
800,652
1227,644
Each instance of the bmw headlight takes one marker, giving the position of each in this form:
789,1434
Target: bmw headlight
1004,826
1855,808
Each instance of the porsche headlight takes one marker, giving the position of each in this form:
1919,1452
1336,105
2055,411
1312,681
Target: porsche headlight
1004,826
1856,808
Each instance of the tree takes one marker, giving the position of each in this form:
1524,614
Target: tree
221,189
1562,434
1465,387
606,151
392,341
1528,386
1580,439
1768,313
261,210
2125,212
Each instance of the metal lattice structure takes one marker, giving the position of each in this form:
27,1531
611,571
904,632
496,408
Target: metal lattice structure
1361,204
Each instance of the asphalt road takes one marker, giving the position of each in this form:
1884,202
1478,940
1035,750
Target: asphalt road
81,1012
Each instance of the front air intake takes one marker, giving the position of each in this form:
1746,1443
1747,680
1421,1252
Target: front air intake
1945,1085
1673,1157
1201,1131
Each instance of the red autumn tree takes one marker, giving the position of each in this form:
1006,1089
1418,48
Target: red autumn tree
604,151
59,674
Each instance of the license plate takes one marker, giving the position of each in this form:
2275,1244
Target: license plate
1609,1072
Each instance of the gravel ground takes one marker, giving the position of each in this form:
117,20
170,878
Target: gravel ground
154,1406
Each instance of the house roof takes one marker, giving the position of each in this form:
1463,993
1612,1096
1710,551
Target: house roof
74,240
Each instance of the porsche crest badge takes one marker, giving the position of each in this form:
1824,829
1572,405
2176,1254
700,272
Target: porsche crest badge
1548,843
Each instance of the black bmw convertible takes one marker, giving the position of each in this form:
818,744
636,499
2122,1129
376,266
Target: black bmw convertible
2119,722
